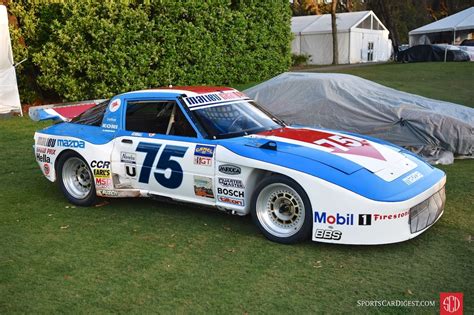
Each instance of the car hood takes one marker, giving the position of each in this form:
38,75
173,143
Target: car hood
345,152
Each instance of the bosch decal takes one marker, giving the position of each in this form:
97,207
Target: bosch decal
229,169
338,219
230,182
230,192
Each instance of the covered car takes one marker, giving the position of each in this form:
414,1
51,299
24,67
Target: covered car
438,130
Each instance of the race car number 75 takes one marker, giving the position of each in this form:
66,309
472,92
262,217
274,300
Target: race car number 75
164,163
339,142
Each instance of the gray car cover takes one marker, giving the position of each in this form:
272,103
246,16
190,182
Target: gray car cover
435,129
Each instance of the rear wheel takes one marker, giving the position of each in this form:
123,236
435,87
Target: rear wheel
76,180
281,209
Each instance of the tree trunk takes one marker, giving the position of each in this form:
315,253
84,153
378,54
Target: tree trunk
335,50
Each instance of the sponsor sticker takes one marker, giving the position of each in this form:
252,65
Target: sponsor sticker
202,160
131,170
451,303
413,177
230,200
204,150
367,219
108,193
109,126
46,169
216,97
101,173
229,169
230,192
230,182
103,182
43,158
127,157
100,164
46,142
338,219
328,234
71,143
203,187
114,105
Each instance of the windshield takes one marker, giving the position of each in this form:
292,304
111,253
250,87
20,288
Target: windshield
234,119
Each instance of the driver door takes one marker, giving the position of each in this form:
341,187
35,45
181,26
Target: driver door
159,151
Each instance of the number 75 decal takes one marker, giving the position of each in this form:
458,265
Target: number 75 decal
164,163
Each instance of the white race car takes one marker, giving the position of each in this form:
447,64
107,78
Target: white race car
216,147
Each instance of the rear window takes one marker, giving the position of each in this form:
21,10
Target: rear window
93,116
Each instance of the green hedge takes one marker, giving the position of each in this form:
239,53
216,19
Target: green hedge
94,49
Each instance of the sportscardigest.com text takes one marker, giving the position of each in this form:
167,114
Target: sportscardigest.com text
395,303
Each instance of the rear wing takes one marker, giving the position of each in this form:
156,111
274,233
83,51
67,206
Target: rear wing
62,111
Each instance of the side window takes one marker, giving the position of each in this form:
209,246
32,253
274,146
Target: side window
93,116
162,117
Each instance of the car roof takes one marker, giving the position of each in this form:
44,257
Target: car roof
180,90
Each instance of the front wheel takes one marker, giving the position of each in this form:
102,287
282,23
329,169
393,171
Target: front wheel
76,180
281,209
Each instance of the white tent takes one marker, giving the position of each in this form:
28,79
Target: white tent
451,30
361,37
9,96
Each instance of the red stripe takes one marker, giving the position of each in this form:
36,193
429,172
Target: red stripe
363,148
72,111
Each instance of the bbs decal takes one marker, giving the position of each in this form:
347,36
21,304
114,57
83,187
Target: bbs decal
328,234
164,163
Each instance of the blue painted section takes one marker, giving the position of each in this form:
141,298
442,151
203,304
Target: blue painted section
354,178
91,134
41,115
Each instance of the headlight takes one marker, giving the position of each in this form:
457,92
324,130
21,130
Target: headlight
426,212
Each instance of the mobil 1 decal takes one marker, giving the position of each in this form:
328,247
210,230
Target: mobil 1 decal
167,171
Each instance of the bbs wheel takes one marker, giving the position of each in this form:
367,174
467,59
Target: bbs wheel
281,209
76,180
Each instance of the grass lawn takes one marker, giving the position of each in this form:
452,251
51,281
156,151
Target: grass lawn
142,256
451,81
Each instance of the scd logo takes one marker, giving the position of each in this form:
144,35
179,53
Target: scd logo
450,303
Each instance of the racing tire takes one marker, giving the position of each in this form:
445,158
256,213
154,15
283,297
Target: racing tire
281,210
75,179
